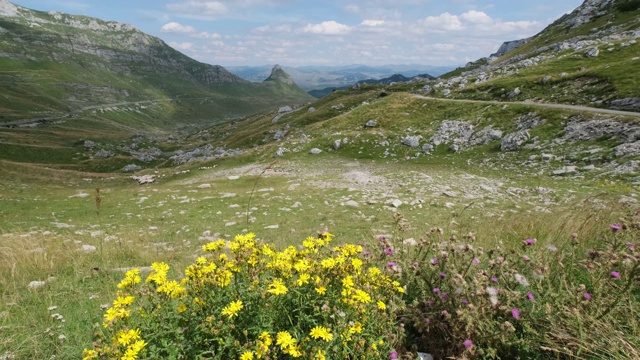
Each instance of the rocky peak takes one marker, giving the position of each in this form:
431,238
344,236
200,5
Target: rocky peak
8,9
278,74
586,12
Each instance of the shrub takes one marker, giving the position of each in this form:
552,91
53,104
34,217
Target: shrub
523,300
245,300
628,5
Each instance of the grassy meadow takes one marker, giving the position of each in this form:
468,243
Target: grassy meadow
72,225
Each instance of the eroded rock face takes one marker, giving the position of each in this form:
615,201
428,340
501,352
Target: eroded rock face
628,104
513,141
600,129
451,130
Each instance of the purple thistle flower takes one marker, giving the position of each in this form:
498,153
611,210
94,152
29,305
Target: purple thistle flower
393,355
616,227
587,296
427,320
388,251
615,275
434,261
475,262
436,290
465,301
494,279
530,242
444,295
515,313
367,252
525,258
443,275
391,264
468,344
530,296
416,264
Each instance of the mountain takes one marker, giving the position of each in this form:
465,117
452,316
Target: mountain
322,77
588,57
396,78
54,64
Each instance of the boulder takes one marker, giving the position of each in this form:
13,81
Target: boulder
131,168
427,148
591,53
513,141
315,151
311,109
280,134
412,141
565,171
88,144
371,124
145,179
338,106
336,144
515,92
629,149
446,92
283,109
104,153
628,104
279,152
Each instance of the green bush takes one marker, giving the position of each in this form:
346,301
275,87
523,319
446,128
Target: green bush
244,300
628,5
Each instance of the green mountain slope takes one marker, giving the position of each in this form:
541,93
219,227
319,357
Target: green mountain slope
589,57
53,64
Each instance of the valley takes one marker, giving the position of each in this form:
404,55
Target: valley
523,165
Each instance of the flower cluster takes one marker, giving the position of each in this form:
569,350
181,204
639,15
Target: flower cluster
246,300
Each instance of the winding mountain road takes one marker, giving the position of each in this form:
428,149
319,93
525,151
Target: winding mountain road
531,103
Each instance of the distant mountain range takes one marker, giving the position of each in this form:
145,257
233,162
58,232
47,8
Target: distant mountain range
53,64
321,77
395,78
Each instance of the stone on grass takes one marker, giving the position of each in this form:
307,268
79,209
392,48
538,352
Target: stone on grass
36,284
315,151
396,203
145,179
412,141
89,248
565,171
336,144
352,203
371,123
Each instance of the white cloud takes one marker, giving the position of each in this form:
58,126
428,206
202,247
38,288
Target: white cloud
199,8
372,22
206,35
327,28
476,17
442,23
281,28
174,27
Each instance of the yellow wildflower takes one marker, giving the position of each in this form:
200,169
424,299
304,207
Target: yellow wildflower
321,290
89,354
123,301
172,288
381,305
362,296
356,328
285,340
277,287
131,277
322,333
320,355
303,279
125,337
232,309
213,246
348,282
133,350
247,355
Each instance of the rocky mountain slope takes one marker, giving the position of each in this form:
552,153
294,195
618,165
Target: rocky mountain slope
588,57
53,63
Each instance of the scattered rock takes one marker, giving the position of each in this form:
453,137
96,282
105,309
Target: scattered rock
546,79
89,248
336,144
629,149
515,92
315,151
204,186
529,121
396,203
446,92
131,168
36,284
548,157
272,227
104,153
591,53
276,118
88,144
280,134
338,106
352,203
412,141
371,124
284,109
628,104
145,179
279,152
311,109
233,177
427,148
513,141
565,171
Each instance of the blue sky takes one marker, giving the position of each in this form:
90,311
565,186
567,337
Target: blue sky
329,32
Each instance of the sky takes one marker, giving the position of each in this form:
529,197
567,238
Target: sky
328,32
